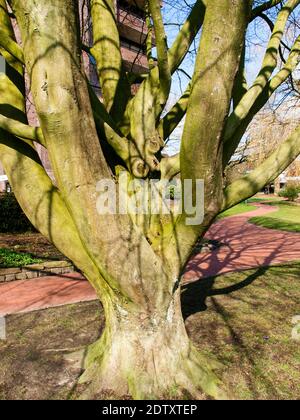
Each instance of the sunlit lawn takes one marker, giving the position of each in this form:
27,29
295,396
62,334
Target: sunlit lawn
286,218
239,209
246,323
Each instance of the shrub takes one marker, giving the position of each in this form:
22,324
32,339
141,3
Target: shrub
12,218
14,259
290,192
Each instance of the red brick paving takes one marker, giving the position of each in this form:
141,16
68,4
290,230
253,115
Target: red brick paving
247,246
44,292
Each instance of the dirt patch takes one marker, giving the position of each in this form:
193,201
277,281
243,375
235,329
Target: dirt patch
32,243
36,360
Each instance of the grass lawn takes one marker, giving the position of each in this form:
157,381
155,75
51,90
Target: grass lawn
286,218
262,199
244,320
239,209
15,259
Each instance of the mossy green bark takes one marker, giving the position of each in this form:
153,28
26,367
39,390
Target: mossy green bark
134,263
160,361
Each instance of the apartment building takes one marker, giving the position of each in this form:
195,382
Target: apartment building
133,31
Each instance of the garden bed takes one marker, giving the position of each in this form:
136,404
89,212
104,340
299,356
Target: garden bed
32,243
30,255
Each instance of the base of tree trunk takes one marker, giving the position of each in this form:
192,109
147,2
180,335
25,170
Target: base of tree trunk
141,360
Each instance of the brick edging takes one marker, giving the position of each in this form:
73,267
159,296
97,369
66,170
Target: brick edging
32,271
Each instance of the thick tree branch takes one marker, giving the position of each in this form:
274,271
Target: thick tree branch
171,120
240,86
63,106
201,145
149,38
264,7
252,183
142,117
106,48
186,35
162,51
33,188
11,46
8,47
21,130
268,66
291,63
271,26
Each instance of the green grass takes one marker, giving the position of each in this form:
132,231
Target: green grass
10,259
239,209
262,199
246,324
287,218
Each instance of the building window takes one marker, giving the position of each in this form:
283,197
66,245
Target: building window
132,9
133,46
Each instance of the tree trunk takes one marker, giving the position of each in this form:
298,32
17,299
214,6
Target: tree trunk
147,355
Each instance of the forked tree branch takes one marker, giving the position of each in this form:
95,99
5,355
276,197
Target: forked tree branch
18,129
282,75
147,107
8,44
201,145
268,66
106,48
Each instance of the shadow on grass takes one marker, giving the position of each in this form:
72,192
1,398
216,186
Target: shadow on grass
194,295
244,349
276,224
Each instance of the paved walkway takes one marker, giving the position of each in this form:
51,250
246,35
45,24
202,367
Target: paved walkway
44,292
247,246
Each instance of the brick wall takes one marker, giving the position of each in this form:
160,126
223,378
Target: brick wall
32,271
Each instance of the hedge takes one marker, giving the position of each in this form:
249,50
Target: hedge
12,218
